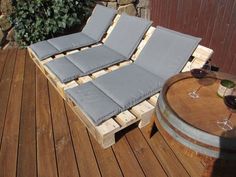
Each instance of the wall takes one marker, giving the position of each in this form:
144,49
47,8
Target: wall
6,32
213,20
131,7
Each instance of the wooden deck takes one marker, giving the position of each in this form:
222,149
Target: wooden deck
41,136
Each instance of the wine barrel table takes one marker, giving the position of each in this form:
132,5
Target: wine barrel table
192,122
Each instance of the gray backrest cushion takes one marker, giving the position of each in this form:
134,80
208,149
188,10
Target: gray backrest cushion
99,22
166,52
127,34
129,85
97,105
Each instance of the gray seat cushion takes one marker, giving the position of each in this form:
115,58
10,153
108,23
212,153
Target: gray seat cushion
63,69
95,58
167,52
99,22
71,41
97,105
43,49
127,34
129,85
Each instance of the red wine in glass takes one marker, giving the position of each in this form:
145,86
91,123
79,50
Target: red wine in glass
198,74
230,102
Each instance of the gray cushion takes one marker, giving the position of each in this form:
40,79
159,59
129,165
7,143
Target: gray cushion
93,102
99,22
167,51
127,34
63,69
95,58
43,49
129,85
71,41
93,31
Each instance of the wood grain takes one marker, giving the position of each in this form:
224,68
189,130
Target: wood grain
46,158
5,86
63,143
83,147
106,160
213,21
9,147
26,165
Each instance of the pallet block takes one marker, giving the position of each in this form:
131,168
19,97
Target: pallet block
141,113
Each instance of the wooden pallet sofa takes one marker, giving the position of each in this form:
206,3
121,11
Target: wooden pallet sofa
105,132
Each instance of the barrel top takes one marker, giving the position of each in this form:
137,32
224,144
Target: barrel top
201,113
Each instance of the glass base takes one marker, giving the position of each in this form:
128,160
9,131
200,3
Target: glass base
193,94
225,124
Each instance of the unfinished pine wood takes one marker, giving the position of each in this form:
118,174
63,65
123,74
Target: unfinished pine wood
27,134
9,146
46,158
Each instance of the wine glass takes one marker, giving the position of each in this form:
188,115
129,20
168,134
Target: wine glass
198,73
230,102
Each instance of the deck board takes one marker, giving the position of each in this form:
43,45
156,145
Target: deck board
46,158
41,136
82,150
144,154
5,86
126,159
106,160
27,134
3,57
9,146
166,156
66,161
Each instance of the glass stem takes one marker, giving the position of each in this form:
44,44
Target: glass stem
198,89
229,117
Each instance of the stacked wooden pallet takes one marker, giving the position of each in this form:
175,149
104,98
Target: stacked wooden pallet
105,132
